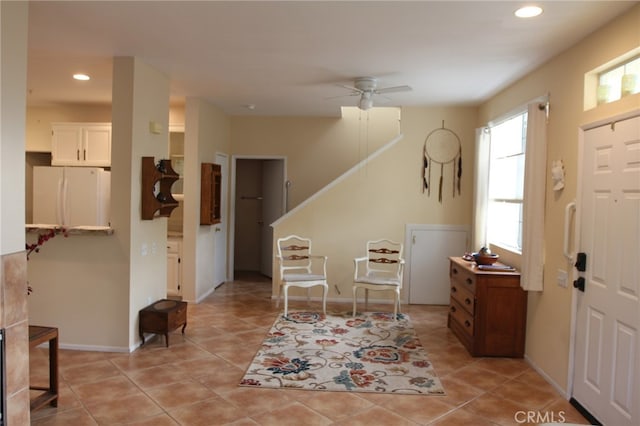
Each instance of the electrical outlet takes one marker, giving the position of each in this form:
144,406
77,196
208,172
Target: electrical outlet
562,278
144,249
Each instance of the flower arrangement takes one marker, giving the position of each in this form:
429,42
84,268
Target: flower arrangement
43,237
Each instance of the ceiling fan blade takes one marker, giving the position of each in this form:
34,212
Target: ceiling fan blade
354,90
393,89
348,95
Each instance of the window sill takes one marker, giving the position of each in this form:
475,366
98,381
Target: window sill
507,255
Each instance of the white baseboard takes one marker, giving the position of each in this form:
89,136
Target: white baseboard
97,348
204,296
545,376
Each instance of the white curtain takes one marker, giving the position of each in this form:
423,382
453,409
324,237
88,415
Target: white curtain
535,173
481,189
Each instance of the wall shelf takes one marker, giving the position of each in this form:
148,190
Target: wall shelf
157,179
210,191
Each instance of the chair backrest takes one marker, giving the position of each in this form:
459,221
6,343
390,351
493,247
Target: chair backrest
293,253
385,257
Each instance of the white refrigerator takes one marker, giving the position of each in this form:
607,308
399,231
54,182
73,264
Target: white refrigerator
71,196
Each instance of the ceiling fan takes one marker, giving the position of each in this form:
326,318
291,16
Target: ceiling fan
367,87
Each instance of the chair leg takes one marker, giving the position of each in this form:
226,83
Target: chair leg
366,299
325,290
279,296
286,300
355,291
395,306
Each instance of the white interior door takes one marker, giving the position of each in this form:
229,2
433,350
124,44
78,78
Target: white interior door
607,347
430,247
220,237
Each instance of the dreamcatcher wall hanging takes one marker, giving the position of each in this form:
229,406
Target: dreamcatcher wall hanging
441,148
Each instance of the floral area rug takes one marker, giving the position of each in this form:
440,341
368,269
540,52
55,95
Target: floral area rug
369,353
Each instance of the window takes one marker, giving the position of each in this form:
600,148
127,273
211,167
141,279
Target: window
506,182
619,81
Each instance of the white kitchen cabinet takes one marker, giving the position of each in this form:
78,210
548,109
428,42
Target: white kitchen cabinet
174,267
81,144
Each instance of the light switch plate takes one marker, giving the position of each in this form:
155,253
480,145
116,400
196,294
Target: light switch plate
562,278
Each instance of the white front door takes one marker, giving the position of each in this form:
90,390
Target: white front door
607,347
220,237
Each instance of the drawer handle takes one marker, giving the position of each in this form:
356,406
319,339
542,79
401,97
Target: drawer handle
453,289
469,281
453,309
454,270
467,323
467,301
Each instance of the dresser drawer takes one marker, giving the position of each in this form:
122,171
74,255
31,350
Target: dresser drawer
461,316
465,298
465,278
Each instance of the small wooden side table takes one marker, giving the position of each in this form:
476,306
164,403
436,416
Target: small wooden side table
37,336
162,317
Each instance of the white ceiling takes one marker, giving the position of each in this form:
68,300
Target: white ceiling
289,58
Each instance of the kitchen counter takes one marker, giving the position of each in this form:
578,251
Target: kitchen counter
100,230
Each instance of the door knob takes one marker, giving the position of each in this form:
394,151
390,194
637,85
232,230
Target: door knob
581,262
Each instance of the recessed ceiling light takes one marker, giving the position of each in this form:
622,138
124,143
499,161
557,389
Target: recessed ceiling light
528,12
82,77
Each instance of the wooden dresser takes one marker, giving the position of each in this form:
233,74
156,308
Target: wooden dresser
488,310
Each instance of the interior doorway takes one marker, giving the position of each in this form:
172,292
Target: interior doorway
258,199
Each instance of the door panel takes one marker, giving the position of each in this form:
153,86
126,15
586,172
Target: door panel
431,246
607,352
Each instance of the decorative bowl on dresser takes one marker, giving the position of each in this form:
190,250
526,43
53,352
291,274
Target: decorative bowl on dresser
162,317
488,308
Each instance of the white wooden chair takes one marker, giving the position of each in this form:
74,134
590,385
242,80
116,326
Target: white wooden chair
299,268
381,269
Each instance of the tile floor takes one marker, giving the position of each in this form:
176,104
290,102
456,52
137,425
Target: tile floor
195,380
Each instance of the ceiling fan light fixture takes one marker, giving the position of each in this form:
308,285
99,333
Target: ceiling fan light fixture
528,11
365,102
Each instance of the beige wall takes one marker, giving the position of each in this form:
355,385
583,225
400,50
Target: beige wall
549,312
106,279
207,132
380,197
317,149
